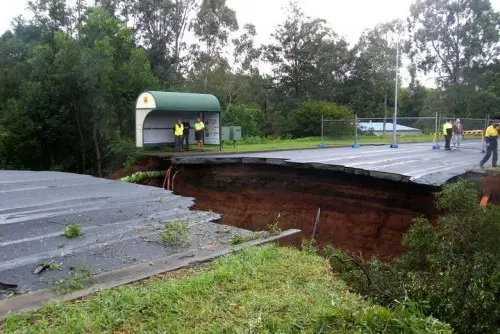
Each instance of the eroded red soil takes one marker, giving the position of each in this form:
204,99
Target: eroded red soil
357,213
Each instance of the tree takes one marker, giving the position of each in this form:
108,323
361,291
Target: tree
307,58
451,36
305,120
214,21
160,26
374,71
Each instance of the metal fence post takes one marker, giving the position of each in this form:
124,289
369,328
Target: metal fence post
322,124
322,144
436,133
355,145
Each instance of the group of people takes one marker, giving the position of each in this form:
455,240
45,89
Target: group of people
453,130
181,134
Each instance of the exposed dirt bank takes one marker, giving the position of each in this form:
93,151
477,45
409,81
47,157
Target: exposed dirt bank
358,213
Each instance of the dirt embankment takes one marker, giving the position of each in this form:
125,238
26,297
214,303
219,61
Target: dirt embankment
357,213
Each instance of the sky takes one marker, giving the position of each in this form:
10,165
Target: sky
348,18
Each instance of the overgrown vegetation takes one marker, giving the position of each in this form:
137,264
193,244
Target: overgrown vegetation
139,176
175,234
452,270
271,231
259,290
78,278
237,239
72,231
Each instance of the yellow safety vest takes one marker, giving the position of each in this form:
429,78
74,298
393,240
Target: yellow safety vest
491,131
447,126
179,129
199,126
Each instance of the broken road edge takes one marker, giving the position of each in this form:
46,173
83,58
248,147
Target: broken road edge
34,300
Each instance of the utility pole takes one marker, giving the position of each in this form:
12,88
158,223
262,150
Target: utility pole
395,120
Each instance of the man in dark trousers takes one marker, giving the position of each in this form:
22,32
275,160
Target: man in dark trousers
491,137
448,133
185,138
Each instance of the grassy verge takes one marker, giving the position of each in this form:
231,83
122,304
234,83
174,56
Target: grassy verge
262,144
259,290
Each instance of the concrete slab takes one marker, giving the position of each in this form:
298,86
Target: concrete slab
121,224
417,163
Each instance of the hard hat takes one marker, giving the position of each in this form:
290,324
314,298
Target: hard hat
458,121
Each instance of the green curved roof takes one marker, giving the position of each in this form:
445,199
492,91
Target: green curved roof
171,101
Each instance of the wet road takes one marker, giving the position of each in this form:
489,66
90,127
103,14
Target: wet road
417,163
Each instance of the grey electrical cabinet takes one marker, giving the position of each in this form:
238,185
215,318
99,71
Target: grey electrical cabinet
235,133
226,133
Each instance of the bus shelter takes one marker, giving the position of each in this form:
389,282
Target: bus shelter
157,112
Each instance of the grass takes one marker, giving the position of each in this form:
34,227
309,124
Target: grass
72,231
259,290
263,144
175,234
78,278
237,239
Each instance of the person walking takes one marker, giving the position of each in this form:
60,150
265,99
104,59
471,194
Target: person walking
491,137
185,137
457,134
178,134
199,130
448,132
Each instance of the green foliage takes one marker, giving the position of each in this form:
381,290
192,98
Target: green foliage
305,121
69,105
260,290
139,176
250,119
452,268
72,231
69,76
237,239
175,234
78,278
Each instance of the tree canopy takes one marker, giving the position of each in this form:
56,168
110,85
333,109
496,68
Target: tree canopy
70,74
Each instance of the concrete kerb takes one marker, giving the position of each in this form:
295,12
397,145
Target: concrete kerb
33,301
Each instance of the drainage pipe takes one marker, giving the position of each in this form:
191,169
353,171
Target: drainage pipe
173,179
166,182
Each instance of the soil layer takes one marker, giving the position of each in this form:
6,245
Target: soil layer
358,213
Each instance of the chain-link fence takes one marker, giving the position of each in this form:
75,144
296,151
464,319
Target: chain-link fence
408,130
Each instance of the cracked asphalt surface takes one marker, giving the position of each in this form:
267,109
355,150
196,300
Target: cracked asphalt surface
121,224
417,163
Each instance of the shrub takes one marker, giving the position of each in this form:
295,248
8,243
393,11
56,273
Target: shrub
72,231
175,234
305,120
250,119
453,268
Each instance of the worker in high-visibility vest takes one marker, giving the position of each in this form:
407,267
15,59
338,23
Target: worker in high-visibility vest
199,130
491,138
448,133
178,134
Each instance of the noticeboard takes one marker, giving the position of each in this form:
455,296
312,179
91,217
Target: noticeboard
212,130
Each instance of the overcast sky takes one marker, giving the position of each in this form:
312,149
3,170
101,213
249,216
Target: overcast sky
347,17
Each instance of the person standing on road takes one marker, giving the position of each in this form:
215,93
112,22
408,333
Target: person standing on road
457,134
491,137
448,132
178,134
199,130
185,137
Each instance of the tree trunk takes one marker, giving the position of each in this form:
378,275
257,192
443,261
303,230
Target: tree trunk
83,163
97,151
